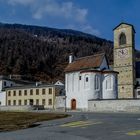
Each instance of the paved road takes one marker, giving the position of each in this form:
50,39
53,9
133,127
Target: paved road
83,126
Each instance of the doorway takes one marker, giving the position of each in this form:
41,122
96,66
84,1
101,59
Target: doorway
73,104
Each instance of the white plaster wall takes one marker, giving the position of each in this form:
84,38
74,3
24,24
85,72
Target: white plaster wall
2,98
112,92
95,94
81,90
74,90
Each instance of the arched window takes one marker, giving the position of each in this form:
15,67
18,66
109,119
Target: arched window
122,39
97,82
86,82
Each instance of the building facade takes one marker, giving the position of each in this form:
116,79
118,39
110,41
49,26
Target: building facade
89,78
40,95
124,59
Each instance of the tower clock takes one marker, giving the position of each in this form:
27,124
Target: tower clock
124,59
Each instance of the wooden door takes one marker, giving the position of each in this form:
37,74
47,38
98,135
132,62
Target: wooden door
73,104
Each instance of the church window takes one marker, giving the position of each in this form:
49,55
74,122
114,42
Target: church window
122,39
96,81
86,81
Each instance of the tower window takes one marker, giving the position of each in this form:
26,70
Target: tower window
122,39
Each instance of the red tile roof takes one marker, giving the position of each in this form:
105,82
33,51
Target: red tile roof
83,63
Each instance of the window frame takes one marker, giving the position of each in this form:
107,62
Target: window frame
49,101
97,83
37,91
50,89
43,91
122,39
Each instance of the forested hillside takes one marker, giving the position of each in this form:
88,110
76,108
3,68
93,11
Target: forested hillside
41,53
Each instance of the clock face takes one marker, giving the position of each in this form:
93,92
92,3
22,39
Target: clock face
123,53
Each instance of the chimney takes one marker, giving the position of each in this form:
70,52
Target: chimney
71,58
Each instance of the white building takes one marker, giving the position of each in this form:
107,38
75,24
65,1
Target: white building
89,78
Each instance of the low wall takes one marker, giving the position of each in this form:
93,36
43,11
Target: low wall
19,108
114,105
60,103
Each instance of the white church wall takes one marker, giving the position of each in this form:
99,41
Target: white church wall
81,86
96,86
109,88
74,90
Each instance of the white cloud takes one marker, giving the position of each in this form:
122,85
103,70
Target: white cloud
65,9
85,28
91,30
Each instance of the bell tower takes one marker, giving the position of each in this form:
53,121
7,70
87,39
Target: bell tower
124,59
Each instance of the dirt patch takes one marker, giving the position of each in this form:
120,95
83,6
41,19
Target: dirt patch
20,120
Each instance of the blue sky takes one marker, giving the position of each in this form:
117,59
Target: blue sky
97,17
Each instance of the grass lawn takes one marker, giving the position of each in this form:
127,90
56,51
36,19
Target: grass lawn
19,120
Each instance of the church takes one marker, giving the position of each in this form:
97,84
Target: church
91,78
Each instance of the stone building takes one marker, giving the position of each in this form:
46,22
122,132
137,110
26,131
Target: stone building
89,78
124,59
83,74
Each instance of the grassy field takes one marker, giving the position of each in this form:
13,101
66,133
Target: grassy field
19,120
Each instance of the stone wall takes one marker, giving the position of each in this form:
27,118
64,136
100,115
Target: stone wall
123,105
19,108
60,103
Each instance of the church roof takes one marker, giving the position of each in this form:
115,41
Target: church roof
88,62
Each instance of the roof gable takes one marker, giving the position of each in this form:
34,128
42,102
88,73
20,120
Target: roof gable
88,62
123,23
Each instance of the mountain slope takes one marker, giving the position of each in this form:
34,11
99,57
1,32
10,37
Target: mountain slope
41,53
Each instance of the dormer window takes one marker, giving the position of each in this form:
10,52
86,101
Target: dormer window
122,39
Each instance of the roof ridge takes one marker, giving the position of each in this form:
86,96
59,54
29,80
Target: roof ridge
89,56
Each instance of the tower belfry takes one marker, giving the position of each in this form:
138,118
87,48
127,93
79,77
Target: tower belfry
124,59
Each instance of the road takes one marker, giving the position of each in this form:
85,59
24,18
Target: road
82,126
